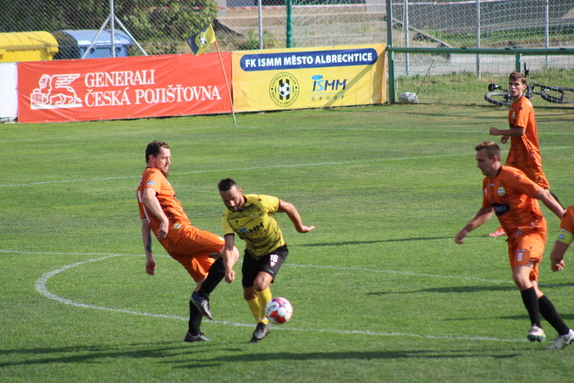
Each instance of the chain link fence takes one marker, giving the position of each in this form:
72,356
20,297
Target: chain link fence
162,26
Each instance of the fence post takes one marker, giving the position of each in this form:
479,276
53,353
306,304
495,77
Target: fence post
546,30
406,32
289,31
260,22
517,62
478,37
390,54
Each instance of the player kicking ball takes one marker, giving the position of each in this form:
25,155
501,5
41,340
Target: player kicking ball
252,218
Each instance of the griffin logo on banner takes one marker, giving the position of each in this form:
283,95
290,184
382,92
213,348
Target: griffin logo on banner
202,40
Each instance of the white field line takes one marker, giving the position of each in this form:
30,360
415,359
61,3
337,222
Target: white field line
43,290
260,167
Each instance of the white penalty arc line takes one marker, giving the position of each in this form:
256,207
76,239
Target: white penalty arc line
41,288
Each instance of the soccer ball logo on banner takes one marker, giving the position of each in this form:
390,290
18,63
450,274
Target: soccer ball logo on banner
284,89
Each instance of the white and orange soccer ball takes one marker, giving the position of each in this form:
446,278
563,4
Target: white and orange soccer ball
279,310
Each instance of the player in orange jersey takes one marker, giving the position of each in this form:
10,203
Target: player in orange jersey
563,240
200,252
524,152
512,196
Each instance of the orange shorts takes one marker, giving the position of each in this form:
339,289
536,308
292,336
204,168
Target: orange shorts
528,247
195,249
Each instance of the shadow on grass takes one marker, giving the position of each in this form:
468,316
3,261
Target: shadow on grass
357,355
547,327
451,289
101,354
247,353
345,243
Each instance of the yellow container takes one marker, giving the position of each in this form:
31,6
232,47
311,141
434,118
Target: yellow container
27,46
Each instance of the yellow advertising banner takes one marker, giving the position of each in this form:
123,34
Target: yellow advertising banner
299,78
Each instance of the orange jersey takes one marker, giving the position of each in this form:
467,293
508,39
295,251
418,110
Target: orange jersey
153,178
566,232
188,245
511,195
524,152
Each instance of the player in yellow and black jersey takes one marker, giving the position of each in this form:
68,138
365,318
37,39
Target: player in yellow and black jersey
252,218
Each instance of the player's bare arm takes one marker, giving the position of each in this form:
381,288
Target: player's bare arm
507,133
482,216
557,256
547,199
289,209
150,200
146,238
230,257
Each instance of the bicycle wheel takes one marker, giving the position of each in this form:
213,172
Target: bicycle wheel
498,98
557,94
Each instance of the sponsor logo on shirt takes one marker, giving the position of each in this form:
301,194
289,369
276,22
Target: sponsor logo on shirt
500,208
254,229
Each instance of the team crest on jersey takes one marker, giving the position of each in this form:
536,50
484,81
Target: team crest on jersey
150,183
273,258
501,191
177,226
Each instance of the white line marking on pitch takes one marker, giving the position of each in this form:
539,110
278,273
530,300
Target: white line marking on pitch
43,290
260,167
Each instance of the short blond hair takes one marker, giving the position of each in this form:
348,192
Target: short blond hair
491,147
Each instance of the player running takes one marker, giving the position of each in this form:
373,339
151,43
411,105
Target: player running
563,240
513,198
252,218
524,153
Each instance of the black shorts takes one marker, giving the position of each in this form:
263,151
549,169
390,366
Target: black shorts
269,263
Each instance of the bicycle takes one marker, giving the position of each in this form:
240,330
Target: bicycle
497,95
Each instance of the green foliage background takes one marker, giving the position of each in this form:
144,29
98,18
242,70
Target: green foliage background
160,25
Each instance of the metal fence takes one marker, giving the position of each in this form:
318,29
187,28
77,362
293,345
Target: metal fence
162,26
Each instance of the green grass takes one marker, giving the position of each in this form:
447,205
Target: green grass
463,88
380,290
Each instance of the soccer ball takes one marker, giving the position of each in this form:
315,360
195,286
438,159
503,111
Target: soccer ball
279,310
284,89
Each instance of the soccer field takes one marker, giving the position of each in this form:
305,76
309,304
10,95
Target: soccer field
381,293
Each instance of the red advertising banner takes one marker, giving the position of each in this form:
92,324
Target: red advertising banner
122,88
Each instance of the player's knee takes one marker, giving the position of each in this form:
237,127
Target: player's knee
249,294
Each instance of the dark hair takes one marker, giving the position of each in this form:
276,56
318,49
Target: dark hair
492,148
226,184
153,149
